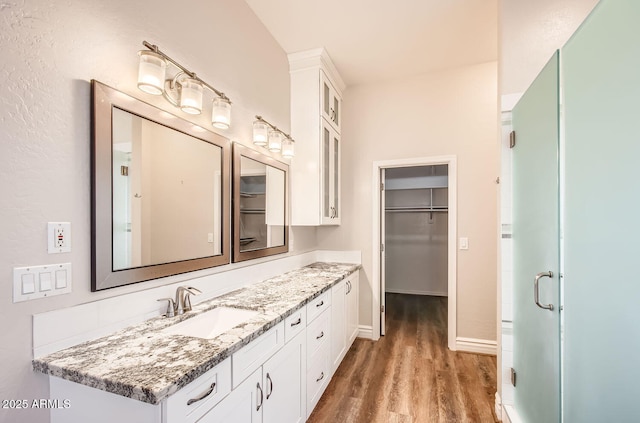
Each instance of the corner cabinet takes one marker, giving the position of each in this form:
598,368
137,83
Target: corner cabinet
316,118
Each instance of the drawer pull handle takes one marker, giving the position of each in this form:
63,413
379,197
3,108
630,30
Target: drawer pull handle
321,335
320,304
261,397
321,377
297,322
204,394
270,387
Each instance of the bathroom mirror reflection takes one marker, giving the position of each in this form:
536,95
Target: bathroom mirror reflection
160,193
260,221
159,174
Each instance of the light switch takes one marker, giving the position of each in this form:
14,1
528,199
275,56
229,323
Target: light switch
61,279
464,243
45,281
33,282
28,283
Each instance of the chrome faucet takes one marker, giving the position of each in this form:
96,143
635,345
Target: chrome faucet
182,303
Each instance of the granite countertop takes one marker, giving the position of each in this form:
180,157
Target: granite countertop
146,364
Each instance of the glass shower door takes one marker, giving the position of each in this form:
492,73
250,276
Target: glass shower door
601,73
536,316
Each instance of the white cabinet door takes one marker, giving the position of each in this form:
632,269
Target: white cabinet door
331,102
330,175
285,385
243,405
338,325
352,308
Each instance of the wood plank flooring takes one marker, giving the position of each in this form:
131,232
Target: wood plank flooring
409,375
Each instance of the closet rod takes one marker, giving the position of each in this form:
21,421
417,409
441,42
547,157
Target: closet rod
416,210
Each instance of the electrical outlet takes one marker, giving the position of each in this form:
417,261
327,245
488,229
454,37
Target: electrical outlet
59,237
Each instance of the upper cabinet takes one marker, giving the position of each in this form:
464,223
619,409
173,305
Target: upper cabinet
316,117
331,101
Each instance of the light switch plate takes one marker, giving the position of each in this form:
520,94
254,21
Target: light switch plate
33,282
464,243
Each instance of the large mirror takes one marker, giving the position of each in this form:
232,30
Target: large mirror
160,192
259,205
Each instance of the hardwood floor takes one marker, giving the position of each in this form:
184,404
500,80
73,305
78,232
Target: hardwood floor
409,375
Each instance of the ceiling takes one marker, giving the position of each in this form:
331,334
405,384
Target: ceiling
377,40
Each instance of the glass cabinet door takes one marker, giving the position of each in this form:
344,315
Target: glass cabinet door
331,102
330,175
326,173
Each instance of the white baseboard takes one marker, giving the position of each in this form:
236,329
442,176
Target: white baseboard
365,331
413,292
498,406
479,346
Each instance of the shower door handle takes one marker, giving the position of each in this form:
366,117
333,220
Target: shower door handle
536,289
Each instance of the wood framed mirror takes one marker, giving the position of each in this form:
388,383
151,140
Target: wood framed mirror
160,192
260,192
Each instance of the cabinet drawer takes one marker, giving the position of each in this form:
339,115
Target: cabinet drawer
318,305
318,375
250,357
318,333
194,400
295,324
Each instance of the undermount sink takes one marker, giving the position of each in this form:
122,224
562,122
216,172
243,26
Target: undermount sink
212,323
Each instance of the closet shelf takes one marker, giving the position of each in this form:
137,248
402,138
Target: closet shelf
420,209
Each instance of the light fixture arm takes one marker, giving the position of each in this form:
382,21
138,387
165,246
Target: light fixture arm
275,128
154,48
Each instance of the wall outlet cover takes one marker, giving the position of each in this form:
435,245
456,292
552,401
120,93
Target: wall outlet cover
59,237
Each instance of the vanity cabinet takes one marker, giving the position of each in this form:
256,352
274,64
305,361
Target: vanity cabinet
272,393
278,377
344,318
316,115
318,364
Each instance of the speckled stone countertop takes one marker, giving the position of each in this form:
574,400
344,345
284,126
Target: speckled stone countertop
146,364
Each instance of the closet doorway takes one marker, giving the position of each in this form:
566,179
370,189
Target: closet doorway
415,224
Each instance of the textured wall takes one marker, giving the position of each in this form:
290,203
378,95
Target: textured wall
445,113
530,31
49,53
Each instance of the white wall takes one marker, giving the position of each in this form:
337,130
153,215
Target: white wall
529,33
50,52
442,113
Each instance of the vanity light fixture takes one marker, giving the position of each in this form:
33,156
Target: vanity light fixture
269,136
260,133
221,113
287,148
275,141
185,90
